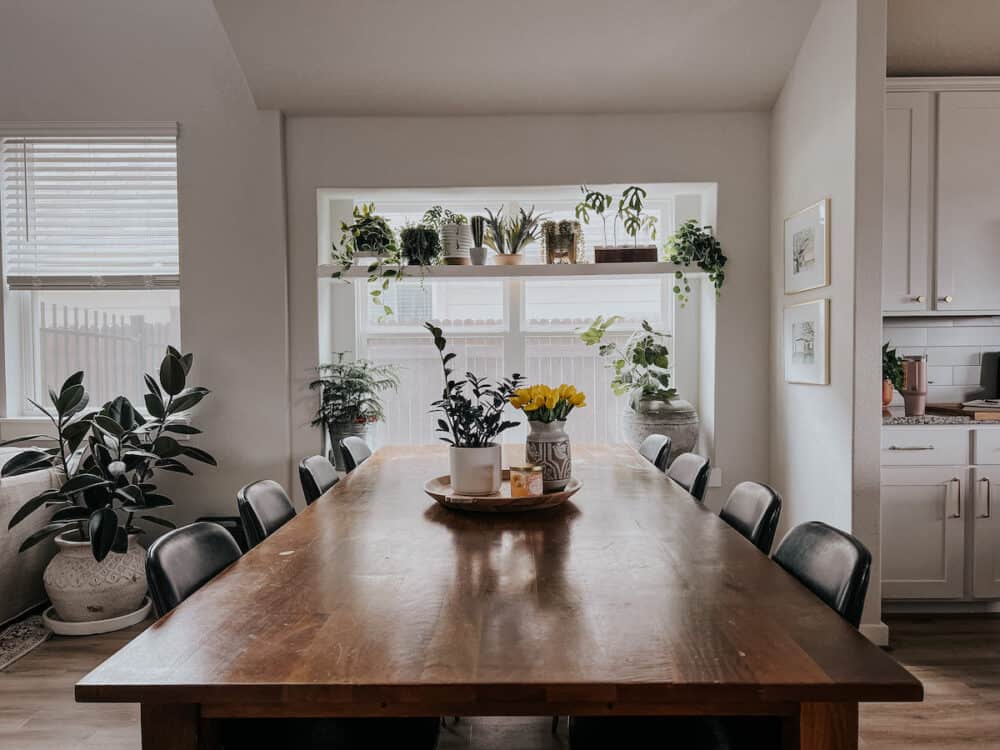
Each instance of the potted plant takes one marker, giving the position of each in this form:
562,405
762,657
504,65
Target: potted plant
350,398
472,419
629,211
547,444
456,235
641,371
369,237
478,251
421,244
892,373
694,244
508,236
561,241
108,459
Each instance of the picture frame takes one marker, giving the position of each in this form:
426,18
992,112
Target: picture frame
806,342
806,250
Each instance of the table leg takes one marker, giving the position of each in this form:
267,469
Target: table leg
176,726
823,726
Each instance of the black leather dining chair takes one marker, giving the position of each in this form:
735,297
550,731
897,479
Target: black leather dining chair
264,508
834,566
690,471
354,451
317,475
656,450
753,510
183,560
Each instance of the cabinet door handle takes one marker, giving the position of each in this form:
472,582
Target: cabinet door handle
911,447
946,299
958,498
919,298
989,498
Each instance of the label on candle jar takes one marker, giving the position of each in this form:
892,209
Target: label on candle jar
525,481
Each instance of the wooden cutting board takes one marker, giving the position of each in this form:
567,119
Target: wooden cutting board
957,410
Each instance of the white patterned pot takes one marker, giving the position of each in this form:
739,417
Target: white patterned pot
676,419
82,589
474,471
548,446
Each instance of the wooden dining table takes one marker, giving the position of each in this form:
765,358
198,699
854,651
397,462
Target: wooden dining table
629,599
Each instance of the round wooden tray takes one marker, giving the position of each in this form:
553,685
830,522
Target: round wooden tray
440,489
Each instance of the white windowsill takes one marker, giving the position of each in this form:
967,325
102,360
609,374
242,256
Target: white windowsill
559,270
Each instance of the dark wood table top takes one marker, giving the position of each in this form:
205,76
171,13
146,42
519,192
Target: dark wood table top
630,595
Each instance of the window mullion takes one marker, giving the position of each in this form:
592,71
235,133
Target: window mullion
514,357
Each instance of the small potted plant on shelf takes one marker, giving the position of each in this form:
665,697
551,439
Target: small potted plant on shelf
421,244
547,444
510,235
892,374
107,460
561,241
456,235
641,367
369,237
695,244
478,251
472,418
630,212
351,398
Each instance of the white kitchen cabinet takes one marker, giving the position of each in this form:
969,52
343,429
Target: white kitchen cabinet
986,532
967,236
908,195
923,532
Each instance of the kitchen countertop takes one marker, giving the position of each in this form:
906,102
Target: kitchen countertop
895,416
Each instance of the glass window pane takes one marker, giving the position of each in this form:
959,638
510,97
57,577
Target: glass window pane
564,303
457,305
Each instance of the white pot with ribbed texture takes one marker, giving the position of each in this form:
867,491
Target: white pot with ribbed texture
474,471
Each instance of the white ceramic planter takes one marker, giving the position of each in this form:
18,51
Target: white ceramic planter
82,589
474,471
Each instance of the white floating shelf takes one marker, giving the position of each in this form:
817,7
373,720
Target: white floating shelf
566,270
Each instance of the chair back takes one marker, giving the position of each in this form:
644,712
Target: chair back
317,476
690,471
753,510
355,452
656,450
829,562
183,560
264,508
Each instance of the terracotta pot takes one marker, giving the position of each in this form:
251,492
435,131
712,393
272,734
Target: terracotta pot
508,260
474,471
548,446
887,392
84,590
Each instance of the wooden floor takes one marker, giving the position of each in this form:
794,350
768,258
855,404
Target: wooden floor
957,658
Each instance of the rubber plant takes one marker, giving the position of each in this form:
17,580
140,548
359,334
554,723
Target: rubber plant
369,236
695,244
107,458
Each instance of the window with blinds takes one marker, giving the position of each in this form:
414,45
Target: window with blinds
89,206
89,239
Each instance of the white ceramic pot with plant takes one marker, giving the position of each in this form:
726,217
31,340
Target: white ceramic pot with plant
350,399
510,235
108,461
547,444
471,420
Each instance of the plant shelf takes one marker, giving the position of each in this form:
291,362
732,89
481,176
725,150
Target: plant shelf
565,270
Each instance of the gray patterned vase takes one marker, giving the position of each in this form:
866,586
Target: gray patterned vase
548,446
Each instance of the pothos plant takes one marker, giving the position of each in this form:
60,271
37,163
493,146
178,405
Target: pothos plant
694,244
107,458
629,210
641,366
437,216
892,366
369,236
472,408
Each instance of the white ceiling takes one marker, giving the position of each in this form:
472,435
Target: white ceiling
438,57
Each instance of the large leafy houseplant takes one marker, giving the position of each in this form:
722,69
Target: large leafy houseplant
369,236
350,392
695,244
641,365
108,458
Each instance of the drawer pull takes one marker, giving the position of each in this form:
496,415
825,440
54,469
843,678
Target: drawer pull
989,498
958,498
911,447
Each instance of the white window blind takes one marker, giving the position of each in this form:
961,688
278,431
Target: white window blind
89,206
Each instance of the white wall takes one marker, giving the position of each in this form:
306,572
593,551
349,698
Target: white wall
108,60
730,149
826,143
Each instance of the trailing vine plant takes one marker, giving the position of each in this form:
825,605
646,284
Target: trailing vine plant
695,244
369,236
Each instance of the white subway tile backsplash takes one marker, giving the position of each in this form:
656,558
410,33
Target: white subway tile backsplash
954,336
964,375
965,356
905,336
940,376
975,322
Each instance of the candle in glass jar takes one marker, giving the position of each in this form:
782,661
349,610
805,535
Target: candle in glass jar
525,481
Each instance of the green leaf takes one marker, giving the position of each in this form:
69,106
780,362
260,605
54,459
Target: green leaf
26,438
154,405
72,513
152,500
160,521
166,447
199,455
186,401
172,375
172,464
102,528
130,494
82,482
186,361
42,409
182,429
152,385
120,544
26,462
109,425
69,399
75,379
42,534
31,506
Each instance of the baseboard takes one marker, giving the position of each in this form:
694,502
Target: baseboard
940,608
876,632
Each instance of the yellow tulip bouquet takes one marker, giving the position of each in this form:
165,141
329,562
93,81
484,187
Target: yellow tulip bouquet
540,403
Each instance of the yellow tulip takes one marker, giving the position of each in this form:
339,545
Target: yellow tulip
551,400
579,399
